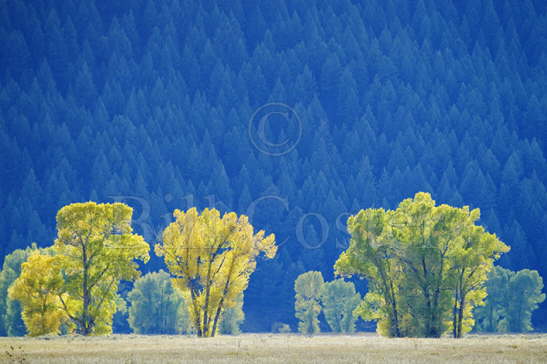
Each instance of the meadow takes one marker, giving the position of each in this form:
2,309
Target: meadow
274,348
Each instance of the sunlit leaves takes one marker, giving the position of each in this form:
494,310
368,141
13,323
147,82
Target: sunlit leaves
426,265
212,258
95,248
39,288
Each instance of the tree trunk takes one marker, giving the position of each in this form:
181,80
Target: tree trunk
197,316
460,316
454,317
86,329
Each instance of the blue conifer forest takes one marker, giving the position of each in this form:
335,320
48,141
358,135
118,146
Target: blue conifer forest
295,113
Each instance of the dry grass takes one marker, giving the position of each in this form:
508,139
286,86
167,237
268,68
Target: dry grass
266,348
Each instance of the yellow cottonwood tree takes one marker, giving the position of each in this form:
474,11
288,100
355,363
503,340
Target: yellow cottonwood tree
212,258
38,289
97,249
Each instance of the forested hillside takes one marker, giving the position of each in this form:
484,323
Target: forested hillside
152,103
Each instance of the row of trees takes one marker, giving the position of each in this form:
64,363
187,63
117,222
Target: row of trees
72,286
511,299
429,267
337,300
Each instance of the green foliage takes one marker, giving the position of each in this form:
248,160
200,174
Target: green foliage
11,321
14,318
339,300
307,307
426,266
512,298
232,318
156,307
369,256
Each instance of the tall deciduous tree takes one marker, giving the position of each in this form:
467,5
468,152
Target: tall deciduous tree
370,255
307,301
97,249
470,261
212,258
426,265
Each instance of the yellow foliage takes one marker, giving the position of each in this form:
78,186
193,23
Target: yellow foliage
212,258
97,248
38,288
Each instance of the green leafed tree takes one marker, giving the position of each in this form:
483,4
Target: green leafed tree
232,318
339,300
156,306
11,321
524,297
371,256
512,298
426,265
307,301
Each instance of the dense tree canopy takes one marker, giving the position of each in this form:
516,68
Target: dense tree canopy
149,102
426,265
97,249
212,258
40,289
77,279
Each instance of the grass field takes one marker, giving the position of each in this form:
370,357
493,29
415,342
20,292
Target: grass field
274,348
